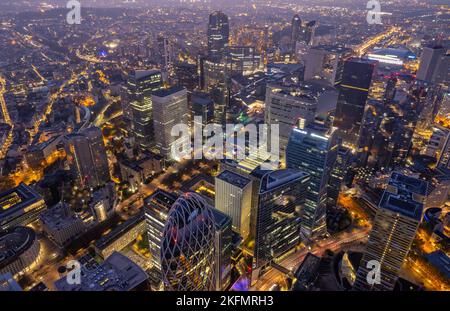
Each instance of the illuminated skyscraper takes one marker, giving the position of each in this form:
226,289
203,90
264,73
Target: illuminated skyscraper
326,63
286,105
280,197
296,28
353,94
233,197
140,85
394,228
223,250
187,249
87,157
313,149
157,207
218,34
169,109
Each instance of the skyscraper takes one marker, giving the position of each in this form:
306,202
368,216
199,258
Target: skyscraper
218,34
214,79
140,85
286,105
353,94
202,106
87,157
157,207
326,63
296,28
223,248
429,60
169,109
394,228
280,198
187,249
313,149
233,197
337,176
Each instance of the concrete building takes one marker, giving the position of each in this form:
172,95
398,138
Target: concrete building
61,225
233,198
394,228
20,206
169,109
19,249
116,273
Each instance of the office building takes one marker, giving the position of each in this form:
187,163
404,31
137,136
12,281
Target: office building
313,149
116,273
19,250
170,108
223,245
286,105
140,85
218,34
394,228
281,197
157,207
86,155
296,29
338,174
326,63
187,249
121,236
353,94
61,225
429,61
233,198
242,60
20,206
202,106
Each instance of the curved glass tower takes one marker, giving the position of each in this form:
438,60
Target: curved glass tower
187,250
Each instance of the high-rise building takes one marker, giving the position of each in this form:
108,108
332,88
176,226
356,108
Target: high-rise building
242,60
202,106
296,28
233,198
394,228
214,79
165,51
280,197
309,32
353,94
187,249
186,75
326,63
313,149
140,85
218,34
337,176
223,250
286,105
429,61
157,207
170,108
87,157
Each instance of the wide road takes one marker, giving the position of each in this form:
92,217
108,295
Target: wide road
293,260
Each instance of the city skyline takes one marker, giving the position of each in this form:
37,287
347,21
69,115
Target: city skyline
228,146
